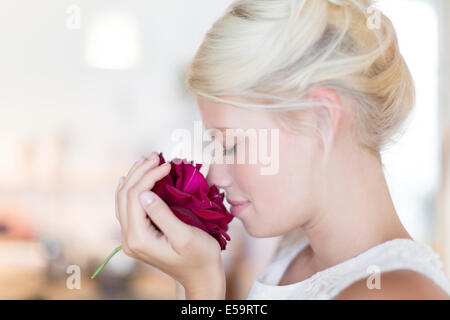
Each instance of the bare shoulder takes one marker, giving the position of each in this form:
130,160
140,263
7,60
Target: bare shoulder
397,284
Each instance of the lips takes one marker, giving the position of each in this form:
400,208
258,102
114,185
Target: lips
237,206
236,203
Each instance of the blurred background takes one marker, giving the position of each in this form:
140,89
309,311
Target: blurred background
88,86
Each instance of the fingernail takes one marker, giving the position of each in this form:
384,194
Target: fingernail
140,159
153,156
147,197
121,180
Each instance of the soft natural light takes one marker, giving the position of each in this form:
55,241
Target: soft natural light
412,165
113,41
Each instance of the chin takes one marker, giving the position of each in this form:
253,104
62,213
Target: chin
256,232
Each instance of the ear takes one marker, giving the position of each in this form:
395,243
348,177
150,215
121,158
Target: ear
329,117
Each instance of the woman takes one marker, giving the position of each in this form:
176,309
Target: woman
338,90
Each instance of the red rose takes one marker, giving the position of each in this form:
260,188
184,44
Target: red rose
193,201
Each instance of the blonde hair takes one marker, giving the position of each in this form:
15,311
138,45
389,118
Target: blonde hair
274,53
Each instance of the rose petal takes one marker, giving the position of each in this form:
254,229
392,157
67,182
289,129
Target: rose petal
207,214
177,193
223,243
193,201
193,180
188,217
198,204
225,235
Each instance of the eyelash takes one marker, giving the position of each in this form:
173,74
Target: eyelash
228,151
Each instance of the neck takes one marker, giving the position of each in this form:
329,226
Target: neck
356,211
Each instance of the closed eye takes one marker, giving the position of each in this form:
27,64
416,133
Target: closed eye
229,151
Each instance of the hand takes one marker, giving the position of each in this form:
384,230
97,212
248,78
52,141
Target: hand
186,253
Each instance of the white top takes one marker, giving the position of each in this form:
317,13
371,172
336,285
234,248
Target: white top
391,255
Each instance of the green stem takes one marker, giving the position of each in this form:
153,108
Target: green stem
99,269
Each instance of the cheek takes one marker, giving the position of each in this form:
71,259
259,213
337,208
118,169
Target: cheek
298,166
289,191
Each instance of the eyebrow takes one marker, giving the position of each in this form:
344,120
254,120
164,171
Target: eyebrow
218,128
221,128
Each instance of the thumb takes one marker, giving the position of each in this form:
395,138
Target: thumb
159,212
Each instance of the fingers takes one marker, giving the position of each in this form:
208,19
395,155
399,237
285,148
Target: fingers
136,214
139,236
122,220
177,232
133,168
120,208
121,181
140,167
148,180
135,165
135,173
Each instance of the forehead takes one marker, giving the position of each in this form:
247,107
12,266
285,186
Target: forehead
222,115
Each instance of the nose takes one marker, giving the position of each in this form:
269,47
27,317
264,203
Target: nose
218,174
